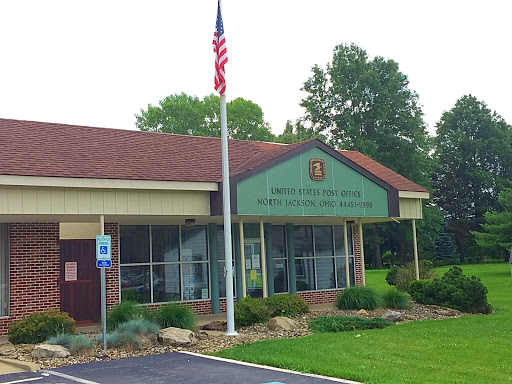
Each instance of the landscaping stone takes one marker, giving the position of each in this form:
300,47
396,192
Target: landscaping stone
280,323
177,336
362,312
392,316
50,351
6,349
218,325
447,312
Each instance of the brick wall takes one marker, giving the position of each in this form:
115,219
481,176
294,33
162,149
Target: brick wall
112,274
33,269
357,256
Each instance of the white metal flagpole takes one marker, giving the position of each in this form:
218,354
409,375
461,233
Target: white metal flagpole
221,58
226,199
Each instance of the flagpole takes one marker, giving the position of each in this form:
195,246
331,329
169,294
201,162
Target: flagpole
230,312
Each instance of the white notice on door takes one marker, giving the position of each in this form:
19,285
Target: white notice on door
70,271
255,261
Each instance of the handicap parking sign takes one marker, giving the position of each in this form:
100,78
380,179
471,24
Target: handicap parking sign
103,247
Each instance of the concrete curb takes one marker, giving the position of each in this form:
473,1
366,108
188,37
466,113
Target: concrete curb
24,365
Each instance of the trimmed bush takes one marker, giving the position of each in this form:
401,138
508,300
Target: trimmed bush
347,323
395,299
452,290
61,339
40,326
139,326
359,298
81,345
175,315
402,276
252,311
288,305
121,313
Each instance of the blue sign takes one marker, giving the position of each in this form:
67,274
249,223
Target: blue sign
103,247
103,263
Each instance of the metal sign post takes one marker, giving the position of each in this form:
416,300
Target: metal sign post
104,260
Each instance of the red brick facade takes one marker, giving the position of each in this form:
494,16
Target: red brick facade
33,270
34,273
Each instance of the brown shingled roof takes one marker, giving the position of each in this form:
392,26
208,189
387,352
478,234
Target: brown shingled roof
384,173
29,148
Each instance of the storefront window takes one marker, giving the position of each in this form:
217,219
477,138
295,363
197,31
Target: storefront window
304,253
172,267
280,261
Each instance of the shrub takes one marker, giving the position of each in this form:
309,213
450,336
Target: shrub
347,323
407,273
139,326
359,298
392,275
252,311
175,315
121,313
453,290
60,339
81,345
288,305
395,299
40,326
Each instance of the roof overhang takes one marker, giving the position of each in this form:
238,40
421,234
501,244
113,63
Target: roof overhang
70,182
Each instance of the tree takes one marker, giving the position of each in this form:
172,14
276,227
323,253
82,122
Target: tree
366,105
475,163
298,132
496,234
188,115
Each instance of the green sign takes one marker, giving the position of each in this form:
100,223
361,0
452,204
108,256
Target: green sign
307,186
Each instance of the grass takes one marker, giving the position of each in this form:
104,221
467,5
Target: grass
473,349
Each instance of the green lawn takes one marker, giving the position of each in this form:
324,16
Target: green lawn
472,349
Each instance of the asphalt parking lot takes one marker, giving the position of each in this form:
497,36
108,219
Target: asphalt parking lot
172,368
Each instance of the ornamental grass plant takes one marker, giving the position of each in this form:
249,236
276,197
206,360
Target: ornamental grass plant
395,299
359,298
121,313
175,315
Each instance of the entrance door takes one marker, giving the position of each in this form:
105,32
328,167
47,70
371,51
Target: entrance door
253,279
80,280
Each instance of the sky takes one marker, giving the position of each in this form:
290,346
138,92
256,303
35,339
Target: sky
97,63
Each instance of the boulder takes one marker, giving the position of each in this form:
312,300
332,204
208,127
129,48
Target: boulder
176,337
280,323
6,349
392,316
217,325
447,312
362,312
50,351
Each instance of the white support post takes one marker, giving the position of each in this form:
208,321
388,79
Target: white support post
415,248
345,247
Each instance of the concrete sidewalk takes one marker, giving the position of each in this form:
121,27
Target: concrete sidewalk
13,366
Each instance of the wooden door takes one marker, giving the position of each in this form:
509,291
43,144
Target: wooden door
80,284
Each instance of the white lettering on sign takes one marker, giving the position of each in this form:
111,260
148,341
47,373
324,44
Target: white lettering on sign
70,271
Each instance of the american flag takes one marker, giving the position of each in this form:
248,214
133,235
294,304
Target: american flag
221,53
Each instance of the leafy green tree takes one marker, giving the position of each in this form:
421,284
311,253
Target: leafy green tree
298,132
496,234
475,163
188,115
366,105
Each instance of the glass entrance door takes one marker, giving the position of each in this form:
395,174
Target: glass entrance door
253,278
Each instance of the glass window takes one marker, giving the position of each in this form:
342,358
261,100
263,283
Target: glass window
340,272
193,243
165,243
325,273
4,267
323,241
338,240
280,275
134,243
163,270
280,259
303,240
305,274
